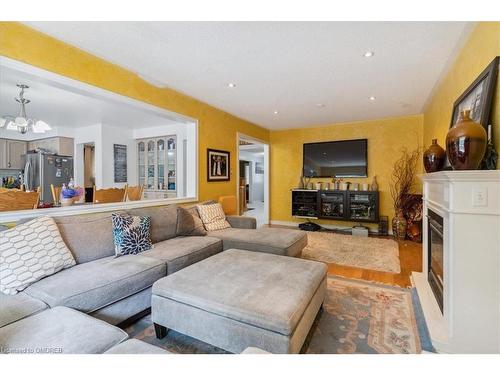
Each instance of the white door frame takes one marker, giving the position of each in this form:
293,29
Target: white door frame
267,154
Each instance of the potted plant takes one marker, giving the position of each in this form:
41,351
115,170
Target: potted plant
71,194
402,184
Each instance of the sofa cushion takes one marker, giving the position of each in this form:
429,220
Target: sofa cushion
134,346
31,251
93,285
279,241
189,224
18,306
213,216
262,290
131,234
60,330
89,237
181,252
163,221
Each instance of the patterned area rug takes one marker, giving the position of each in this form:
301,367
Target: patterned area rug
357,317
362,252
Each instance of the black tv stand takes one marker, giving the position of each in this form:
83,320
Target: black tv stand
345,205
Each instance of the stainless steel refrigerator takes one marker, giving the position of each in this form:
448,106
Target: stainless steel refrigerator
42,170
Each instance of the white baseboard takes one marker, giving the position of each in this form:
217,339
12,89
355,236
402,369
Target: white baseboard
327,226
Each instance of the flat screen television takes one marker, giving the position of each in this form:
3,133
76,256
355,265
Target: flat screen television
336,158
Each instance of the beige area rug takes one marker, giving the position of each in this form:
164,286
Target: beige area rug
362,252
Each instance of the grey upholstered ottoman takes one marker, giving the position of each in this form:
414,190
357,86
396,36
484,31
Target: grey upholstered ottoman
60,330
239,298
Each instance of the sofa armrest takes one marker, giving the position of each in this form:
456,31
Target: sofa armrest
242,222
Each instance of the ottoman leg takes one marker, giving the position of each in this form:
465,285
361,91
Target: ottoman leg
160,331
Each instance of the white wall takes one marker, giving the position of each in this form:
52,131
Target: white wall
112,135
256,180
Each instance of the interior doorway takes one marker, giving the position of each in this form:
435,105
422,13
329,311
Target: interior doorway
253,173
89,171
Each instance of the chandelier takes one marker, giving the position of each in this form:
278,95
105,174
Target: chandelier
23,123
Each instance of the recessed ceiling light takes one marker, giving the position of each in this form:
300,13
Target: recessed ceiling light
320,105
231,85
372,98
276,112
369,54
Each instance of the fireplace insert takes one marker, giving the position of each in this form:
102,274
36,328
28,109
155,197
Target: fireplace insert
435,255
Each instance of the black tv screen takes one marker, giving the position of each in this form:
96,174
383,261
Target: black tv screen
337,158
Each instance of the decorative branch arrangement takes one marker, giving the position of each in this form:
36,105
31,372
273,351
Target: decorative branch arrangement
403,178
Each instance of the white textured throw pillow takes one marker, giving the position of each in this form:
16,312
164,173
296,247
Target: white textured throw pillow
213,216
30,252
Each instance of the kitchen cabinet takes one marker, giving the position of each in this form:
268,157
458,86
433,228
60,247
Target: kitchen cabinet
11,152
157,165
58,145
3,153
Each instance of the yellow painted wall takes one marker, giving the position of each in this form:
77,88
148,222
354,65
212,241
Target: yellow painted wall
385,140
217,129
479,50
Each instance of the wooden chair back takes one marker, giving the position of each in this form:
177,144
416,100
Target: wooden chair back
5,190
229,204
56,193
19,200
110,195
134,193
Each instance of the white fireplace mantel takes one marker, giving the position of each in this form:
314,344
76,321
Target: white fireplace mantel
469,202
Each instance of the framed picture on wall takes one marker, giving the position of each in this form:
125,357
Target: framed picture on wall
120,163
478,96
218,165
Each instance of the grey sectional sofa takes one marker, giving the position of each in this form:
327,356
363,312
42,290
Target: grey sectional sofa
116,290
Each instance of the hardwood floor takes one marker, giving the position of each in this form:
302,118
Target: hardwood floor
410,257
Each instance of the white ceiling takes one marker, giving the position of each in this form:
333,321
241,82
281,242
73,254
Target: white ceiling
62,108
290,67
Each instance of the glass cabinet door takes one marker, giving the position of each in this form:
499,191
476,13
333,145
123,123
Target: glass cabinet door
172,163
362,206
150,181
157,165
141,158
160,157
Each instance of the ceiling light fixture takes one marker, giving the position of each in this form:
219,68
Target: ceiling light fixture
320,105
23,123
369,54
372,98
276,112
231,85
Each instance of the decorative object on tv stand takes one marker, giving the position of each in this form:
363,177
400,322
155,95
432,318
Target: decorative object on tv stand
374,185
304,182
336,182
218,165
318,185
434,157
466,143
491,156
344,185
22,123
401,187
